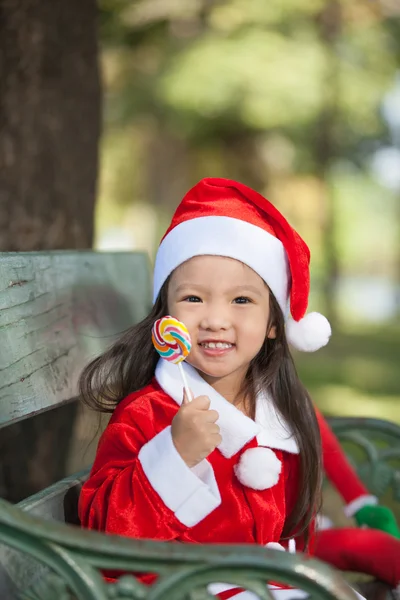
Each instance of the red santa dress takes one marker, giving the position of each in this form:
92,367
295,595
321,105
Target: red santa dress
140,487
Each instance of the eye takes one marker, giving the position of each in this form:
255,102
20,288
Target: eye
242,300
192,299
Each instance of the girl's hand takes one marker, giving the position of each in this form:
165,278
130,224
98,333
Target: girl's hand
194,430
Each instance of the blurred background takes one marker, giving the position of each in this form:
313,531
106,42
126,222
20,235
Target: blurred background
299,99
111,110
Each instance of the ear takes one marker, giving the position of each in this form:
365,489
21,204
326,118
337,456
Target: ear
271,335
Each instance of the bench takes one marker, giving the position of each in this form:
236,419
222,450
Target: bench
57,311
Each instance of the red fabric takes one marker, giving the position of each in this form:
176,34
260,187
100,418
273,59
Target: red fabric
338,469
118,498
229,593
366,551
228,198
235,591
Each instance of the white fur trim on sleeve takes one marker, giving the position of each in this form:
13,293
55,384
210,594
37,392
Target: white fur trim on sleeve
191,494
355,505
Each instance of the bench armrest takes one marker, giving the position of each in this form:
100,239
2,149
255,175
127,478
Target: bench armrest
76,558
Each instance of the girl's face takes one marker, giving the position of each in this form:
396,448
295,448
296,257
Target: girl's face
225,306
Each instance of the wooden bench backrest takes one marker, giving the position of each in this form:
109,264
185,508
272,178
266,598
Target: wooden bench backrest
57,311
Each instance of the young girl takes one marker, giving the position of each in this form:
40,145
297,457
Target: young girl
241,463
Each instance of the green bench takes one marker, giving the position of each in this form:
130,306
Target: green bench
57,311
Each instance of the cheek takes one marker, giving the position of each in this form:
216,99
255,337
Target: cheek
255,338
254,328
185,313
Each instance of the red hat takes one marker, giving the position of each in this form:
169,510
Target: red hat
222,217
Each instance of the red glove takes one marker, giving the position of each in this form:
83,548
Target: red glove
366,551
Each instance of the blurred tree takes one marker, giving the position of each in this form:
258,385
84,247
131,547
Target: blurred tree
277,93
327,148
50,125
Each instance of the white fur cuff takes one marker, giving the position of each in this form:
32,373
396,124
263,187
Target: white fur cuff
191,494
359,503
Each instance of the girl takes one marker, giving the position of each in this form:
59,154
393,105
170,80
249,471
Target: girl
241,463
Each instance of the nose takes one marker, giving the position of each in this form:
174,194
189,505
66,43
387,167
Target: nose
215,319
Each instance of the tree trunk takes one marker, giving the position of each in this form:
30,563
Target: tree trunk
50,126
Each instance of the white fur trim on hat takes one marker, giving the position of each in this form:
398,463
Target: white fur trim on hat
225,236
310,333
258,468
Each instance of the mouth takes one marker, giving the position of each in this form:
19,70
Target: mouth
214,345
214,349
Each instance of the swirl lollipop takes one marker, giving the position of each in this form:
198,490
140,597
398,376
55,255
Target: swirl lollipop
172,341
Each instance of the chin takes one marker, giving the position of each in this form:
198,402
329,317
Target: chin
216,373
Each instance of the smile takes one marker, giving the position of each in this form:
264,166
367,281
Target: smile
216,345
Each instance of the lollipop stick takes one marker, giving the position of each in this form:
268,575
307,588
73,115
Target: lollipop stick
185,383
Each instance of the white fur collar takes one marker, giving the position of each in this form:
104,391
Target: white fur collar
236,429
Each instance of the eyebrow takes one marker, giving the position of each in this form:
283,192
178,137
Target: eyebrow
248,288
236,288
189,285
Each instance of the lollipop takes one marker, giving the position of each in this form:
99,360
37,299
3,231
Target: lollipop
172,341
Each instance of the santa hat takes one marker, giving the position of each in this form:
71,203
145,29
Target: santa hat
222,217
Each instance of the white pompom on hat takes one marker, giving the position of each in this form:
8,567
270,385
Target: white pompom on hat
222,217
309,333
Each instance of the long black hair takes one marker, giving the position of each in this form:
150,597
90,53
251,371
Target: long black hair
129,365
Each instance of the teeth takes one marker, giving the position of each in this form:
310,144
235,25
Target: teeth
216,345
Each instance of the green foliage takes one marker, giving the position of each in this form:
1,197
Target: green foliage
356,373
254,66
232,76
283,95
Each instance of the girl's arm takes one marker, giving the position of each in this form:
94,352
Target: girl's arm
142,488
360,503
